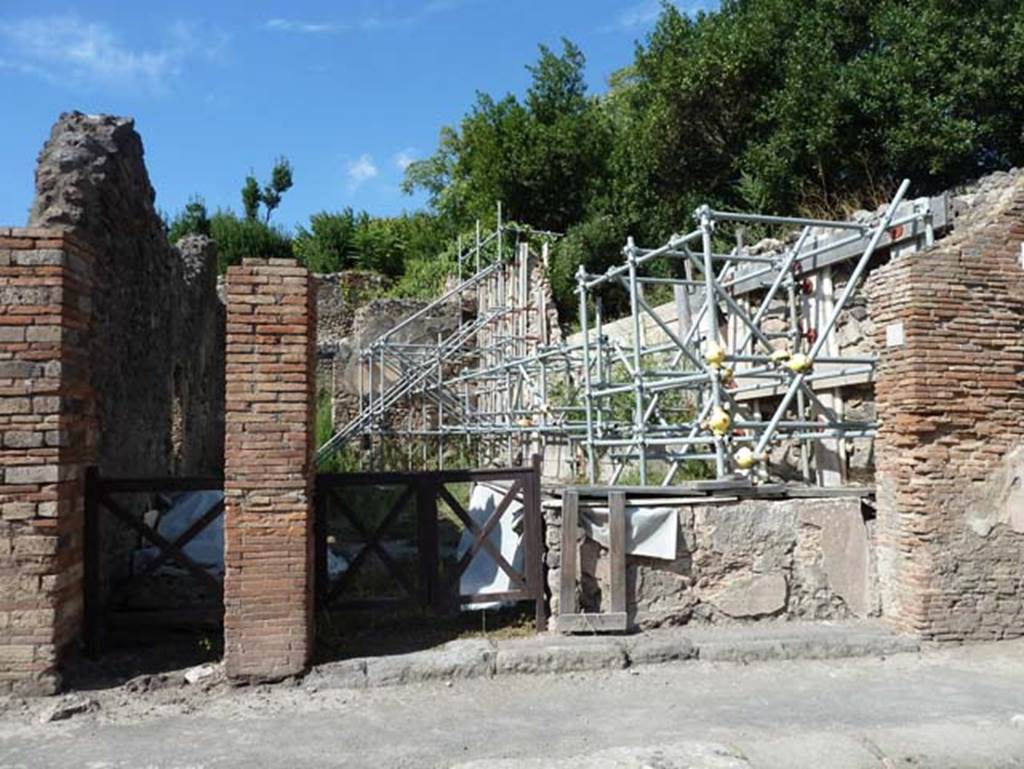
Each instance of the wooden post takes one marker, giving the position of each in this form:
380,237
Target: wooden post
534,533
570,552
617,549
426,534
570,620
321,585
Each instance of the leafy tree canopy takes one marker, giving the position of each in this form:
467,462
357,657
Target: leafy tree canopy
782,106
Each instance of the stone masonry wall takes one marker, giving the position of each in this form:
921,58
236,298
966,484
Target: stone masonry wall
48,428
738,561
950,446
157,344
269,471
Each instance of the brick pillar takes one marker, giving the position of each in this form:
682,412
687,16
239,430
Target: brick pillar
950,448
47,423
269,471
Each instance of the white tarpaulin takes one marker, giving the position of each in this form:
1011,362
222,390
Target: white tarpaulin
483,575
650,531
207,547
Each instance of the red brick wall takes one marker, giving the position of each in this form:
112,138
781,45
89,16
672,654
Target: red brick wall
269,472
950,448
47,423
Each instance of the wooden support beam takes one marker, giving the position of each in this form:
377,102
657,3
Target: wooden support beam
570,552
617,550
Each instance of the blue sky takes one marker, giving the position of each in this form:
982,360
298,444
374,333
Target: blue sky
349,91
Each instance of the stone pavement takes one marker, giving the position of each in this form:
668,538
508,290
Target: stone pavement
550,653
946,707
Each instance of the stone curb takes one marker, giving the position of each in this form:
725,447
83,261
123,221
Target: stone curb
478,658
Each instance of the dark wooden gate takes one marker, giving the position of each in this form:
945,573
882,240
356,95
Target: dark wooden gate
426,585
112,512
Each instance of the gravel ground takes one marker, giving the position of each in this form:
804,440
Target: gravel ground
948,707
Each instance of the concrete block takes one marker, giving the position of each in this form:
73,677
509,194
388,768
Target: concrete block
455,660
652,649
561,655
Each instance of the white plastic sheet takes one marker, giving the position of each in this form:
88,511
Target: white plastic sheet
483,575
207,547
651,532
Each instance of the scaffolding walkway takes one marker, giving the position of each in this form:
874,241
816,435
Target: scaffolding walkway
743,374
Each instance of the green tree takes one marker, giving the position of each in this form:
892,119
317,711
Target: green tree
239,238
193,220
785,106
328,245
270,194
542,158
280,182
251,198
346,240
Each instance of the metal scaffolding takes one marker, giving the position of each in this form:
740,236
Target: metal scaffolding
742,374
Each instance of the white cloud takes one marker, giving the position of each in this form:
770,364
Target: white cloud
639,14
365,23
360,170
646,12
67,49
405,158
297,26
305,27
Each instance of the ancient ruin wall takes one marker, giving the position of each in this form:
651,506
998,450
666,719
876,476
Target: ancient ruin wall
950,447
48,429
156,346
739,561
268,479
111,353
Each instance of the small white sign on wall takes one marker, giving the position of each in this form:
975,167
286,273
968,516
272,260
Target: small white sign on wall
894,334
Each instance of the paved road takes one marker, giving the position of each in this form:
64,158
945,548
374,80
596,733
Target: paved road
960,707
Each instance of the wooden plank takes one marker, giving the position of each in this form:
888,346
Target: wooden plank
373,604
570,552
402,478
768,390
556,504
684,318
639,491
481,538
592,623
431,593
506,595
320,575
214,512
534,535
371,541
210,616
161,542
617,550
829,453
831,491
126,485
